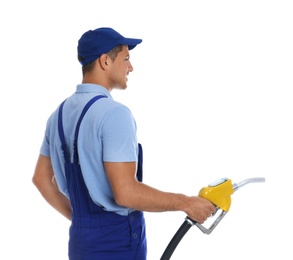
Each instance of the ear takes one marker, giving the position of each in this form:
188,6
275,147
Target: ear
104,60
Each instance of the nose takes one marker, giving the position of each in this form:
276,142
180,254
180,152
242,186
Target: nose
130,68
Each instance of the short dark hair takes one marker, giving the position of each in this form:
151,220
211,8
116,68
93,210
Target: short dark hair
112,54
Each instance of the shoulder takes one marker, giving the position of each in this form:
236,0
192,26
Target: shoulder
112,108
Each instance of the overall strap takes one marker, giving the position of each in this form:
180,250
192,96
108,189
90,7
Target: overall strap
139,173
61,131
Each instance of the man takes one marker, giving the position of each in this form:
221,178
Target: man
90,163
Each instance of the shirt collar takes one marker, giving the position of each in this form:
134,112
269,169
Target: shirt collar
92,88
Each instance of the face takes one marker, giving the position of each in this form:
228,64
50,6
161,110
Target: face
120,69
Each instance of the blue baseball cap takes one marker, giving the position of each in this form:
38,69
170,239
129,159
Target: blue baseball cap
94,43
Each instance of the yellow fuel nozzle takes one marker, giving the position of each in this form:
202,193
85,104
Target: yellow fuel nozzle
219,193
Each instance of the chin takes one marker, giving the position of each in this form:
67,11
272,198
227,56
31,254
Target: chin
121,87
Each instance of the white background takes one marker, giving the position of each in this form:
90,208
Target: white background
211,93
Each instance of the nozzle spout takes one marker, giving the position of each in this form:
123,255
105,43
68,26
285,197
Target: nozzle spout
238,185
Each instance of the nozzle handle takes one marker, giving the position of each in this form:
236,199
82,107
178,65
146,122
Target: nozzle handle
209,230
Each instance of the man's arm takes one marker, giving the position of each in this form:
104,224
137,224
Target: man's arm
43,179
130,193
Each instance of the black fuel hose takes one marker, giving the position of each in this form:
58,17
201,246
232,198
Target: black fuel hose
187,224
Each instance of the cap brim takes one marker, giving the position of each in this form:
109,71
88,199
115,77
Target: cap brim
131,42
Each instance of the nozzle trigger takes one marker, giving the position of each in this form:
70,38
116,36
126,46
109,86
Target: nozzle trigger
213,225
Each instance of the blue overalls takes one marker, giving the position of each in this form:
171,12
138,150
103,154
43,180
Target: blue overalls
96,234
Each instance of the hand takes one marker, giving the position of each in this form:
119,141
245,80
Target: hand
200,209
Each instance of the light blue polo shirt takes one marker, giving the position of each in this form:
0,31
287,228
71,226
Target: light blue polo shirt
107,133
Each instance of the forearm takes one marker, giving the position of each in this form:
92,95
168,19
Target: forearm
145,198
55,198
44,180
